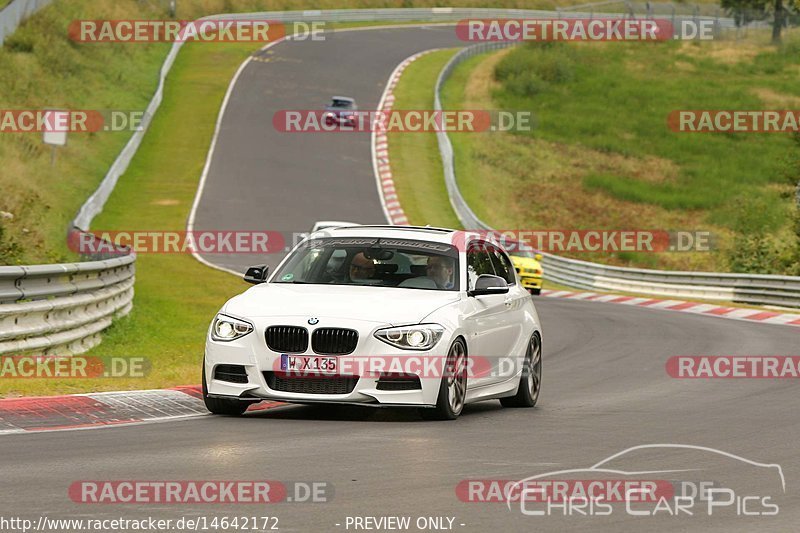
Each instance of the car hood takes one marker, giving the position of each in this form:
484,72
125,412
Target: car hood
384,305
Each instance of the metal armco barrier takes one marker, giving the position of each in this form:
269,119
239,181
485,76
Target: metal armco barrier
756,289
14,13
61,309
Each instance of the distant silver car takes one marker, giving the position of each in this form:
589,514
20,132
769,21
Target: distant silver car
341,111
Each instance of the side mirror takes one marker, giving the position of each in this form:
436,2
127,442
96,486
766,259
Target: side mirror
489,284
256,274
538,257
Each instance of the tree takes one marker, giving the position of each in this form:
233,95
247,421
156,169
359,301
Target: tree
781,11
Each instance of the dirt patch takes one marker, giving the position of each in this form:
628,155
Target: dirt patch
481,82
165,201
777,100
729,53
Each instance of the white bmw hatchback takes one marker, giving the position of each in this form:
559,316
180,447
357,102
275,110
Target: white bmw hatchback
384,316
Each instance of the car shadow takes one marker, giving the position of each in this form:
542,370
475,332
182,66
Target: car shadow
355,413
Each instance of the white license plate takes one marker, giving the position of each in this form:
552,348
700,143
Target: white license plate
312,364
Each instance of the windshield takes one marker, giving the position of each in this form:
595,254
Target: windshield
342,103
376,262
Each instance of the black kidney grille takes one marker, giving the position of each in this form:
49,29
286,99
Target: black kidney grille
307,385
291,339
334,341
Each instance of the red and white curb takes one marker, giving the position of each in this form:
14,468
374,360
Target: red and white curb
104,409
736,313
380,150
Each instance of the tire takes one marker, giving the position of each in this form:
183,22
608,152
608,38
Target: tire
222,406
453,388
535,292
530,383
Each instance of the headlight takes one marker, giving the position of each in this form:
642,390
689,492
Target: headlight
420,337
227,328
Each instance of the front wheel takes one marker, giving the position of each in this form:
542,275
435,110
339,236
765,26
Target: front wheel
535,292
531,381
453,388
222,406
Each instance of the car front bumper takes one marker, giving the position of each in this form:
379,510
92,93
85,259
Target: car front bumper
261,364
531,282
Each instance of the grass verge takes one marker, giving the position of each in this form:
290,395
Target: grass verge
602,155
414,157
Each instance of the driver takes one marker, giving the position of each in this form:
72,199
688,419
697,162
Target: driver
440,270
361,268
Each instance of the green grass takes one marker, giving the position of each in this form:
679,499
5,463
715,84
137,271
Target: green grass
414,157
622,108
39,68
602,156
467,174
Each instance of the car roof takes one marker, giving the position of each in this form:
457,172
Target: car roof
422,233
346,98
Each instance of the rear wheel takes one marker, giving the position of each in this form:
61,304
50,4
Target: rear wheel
535,292
531,381
453,388
222,406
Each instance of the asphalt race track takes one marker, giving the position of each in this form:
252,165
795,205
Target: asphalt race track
605,387
262,179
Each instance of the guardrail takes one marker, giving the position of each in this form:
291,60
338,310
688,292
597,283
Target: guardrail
757,289
61,309
14,13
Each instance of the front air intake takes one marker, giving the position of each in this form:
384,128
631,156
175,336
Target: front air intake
230,373
310,385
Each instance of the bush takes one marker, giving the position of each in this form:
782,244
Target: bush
530,70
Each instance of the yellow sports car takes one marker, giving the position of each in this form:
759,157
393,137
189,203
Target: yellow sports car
527,264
